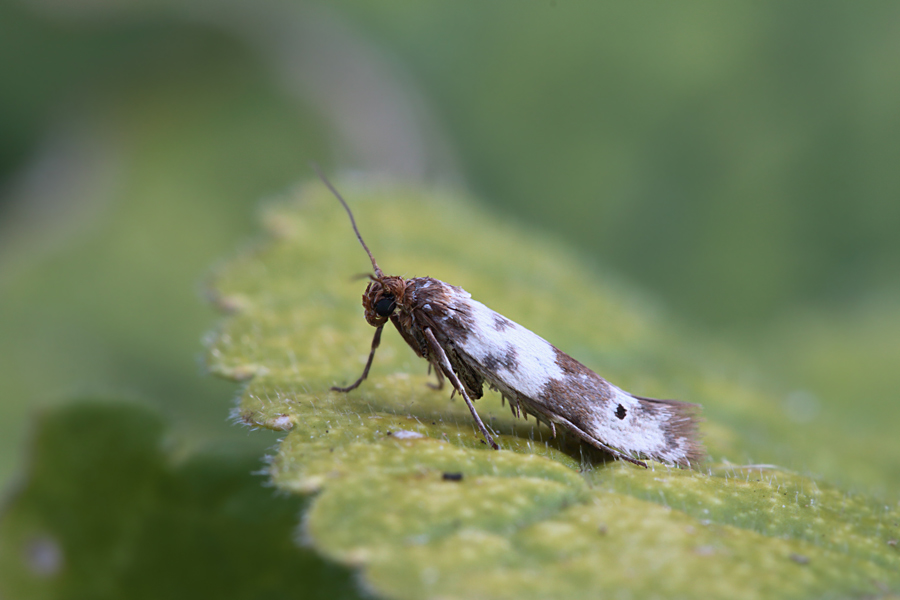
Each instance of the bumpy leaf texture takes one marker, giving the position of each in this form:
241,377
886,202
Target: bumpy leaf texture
403,486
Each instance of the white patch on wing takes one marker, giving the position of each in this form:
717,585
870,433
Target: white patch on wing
645,434
535,358
630,434
523,364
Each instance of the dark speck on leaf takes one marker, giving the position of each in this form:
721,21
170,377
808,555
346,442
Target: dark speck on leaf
452,476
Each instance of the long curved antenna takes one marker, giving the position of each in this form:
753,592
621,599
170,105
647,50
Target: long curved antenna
337,195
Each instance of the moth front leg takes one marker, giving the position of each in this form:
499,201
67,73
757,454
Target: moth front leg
447,368
375,343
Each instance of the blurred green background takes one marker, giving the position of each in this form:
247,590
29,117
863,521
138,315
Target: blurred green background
737,162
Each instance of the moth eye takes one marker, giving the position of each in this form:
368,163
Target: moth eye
385,306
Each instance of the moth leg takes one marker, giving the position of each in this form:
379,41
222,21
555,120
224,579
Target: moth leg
598,444
375,342
440,378
448,371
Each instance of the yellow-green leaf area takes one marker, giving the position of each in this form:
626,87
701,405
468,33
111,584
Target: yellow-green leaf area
776,503
621,545
407,491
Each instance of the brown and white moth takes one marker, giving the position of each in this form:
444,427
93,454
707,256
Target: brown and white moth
472,346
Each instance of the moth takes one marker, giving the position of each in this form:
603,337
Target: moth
473,346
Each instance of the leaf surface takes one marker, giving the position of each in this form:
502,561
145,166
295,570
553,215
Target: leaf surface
543,517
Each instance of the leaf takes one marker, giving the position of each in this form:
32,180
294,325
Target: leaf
541,517
106,512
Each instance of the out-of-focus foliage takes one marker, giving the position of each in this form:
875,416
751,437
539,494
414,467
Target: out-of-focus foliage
738,161
542,518
146,171
108,512
736,157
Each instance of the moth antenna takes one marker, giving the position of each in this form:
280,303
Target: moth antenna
337,195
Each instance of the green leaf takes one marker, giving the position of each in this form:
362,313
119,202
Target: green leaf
107,512
541,517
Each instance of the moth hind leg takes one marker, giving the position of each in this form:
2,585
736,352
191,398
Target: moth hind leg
447,368
440,378
584,436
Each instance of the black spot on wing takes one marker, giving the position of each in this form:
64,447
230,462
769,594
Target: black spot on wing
621,412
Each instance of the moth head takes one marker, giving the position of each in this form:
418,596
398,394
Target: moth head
381,299
385,293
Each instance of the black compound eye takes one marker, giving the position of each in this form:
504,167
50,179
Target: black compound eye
385,306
